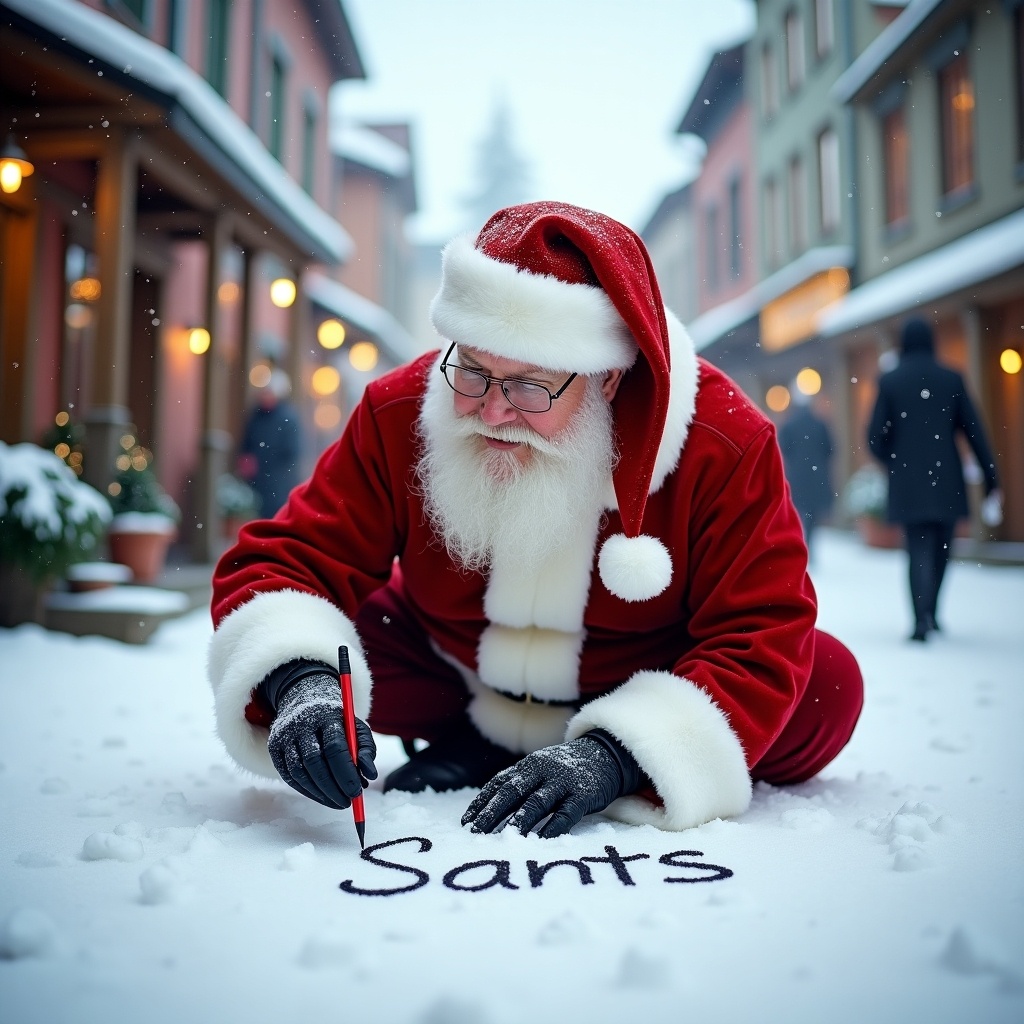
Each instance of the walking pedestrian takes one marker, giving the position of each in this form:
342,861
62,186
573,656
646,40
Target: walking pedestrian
806,444
921,408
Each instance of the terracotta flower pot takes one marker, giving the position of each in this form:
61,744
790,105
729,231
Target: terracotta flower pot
141,542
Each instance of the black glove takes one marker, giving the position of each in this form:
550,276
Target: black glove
566,781
307,737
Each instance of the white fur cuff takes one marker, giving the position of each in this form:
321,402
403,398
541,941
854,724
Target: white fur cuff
682,740
271,629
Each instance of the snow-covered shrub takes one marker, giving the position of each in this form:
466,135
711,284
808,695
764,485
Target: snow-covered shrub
235,497
49,519
866,493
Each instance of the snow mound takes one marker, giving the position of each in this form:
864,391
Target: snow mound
109,846
298,858
27,932
971,952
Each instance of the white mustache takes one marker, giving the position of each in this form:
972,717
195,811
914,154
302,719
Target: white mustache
514,433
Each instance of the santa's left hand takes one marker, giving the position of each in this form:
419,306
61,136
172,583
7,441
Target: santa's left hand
565,781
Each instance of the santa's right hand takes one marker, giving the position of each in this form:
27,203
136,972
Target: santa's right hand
307,742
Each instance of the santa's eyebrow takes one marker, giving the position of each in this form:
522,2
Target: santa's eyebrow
540,377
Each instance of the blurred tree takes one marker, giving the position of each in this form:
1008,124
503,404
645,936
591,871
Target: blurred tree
503,174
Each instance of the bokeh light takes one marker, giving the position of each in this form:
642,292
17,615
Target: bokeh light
777,398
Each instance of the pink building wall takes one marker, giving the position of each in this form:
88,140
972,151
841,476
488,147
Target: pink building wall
730,155
361,211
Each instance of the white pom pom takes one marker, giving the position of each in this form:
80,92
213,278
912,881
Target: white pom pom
634,568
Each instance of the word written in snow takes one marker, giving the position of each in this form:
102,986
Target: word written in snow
500,871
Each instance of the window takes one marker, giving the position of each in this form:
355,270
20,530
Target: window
828,181
711,247
769,82
797,205
824,28
773,222
956,102
896,166
735,229
176,26
795,68
309,126
1018,35
278,80
217,20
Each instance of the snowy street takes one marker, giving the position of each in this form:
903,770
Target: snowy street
143,878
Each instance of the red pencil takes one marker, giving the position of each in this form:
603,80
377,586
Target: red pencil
348,707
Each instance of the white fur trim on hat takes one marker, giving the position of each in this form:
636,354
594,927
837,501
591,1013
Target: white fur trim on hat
532,318
273,628
634,568
684,743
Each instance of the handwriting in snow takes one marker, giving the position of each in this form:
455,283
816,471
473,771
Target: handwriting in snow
477,875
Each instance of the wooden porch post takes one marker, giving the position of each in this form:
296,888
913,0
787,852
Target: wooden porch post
108,414
216,439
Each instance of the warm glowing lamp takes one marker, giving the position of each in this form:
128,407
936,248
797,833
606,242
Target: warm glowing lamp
326,381
198,340
331,333
282,292
1010,360
364,356
14,165
259,375
777,398
808,381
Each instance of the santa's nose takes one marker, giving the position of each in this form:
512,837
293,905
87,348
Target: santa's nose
494,408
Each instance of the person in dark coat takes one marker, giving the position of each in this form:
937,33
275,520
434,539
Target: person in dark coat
270,448
806,445
921,407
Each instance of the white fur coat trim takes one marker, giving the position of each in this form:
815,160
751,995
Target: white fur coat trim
682,740
544,663
531,318
267,631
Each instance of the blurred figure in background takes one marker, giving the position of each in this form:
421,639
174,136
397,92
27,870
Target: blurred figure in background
921,407
269,453
806,445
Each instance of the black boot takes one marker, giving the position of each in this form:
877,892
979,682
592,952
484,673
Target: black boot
460,757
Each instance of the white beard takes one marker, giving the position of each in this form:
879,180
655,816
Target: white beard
484,503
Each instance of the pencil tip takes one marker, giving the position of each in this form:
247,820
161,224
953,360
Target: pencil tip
361,832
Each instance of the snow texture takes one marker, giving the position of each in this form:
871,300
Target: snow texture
143,878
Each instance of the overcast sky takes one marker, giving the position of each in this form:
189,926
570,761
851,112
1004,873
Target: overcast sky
595,88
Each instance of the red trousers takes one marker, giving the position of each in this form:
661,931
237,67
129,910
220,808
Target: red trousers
416,694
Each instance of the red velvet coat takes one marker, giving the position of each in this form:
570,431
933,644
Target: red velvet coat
697,682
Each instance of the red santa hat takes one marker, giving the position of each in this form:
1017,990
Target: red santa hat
572,290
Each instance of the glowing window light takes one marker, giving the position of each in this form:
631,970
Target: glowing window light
808,381
259,375
1010,360
327,416
86,289
198,340
326,381
77,316
364,356
777,398
331,333
282,292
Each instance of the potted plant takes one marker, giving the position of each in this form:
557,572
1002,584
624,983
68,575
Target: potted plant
145,517
864,500
237,501
49,520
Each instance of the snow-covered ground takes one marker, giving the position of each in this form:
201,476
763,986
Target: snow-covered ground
143,879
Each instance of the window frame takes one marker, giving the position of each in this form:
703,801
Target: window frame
830,193
769,81
796,49
218,45
896,210
774,222
735,191
796,189
824,42
957,144
711,248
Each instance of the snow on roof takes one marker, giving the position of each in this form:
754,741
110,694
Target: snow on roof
364,146
135,56
368,316
972,258
719,321
881,49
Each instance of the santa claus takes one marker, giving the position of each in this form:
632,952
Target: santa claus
560,549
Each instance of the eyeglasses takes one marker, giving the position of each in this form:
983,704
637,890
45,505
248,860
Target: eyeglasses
524,395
